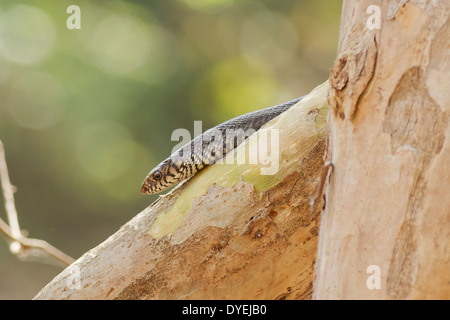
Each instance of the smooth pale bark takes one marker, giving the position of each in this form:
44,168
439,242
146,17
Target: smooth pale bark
228,233
388,198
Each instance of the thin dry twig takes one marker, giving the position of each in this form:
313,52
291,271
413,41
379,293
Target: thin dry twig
25,248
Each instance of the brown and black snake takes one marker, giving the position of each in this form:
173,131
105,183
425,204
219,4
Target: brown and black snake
208,148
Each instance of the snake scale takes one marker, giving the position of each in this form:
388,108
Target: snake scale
208,148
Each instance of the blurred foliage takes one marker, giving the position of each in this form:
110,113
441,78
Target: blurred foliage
85,114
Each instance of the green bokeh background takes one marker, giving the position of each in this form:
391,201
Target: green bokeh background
85,114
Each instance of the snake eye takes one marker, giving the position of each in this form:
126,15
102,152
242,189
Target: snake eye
157,175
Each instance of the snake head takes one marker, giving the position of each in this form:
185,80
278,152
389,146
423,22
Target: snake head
164,176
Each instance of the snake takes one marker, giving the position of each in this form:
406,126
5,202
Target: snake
209,147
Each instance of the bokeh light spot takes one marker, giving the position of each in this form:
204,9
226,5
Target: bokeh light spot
239,87
105,149
126,187
120,44
36,100
27,34
269,37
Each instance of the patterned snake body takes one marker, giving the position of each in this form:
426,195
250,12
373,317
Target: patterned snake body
208,148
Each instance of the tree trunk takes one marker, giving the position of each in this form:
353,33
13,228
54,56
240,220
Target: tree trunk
228,233
388,204
231,233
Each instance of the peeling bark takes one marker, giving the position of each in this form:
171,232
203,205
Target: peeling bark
387,200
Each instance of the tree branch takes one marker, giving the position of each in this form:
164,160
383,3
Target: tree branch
227,233
25,248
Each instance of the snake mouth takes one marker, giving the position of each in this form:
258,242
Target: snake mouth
145,188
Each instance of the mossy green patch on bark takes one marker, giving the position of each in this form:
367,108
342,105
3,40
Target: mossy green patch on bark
292,136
